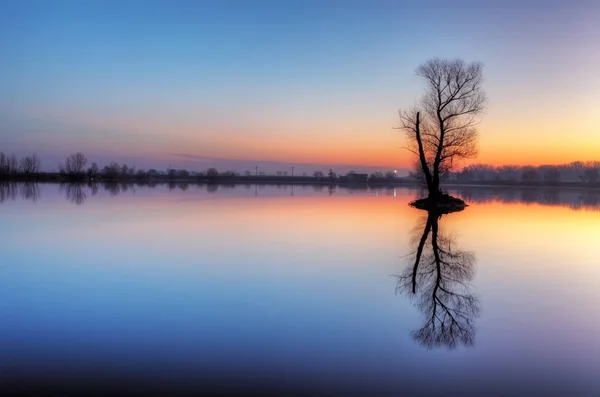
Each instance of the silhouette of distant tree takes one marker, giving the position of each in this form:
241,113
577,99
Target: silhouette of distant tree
390,175
530,175
127,171
74,165
575,172
93,171
590,175
376,175
8,164
228,174
212,173
441,130
111,171
30,164
552,175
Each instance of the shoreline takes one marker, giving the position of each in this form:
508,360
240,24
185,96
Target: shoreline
282,180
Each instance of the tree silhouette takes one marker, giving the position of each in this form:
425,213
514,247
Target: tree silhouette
30,164
442,129
8,164
437,278
74,165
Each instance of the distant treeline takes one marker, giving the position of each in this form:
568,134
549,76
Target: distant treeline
75,168
576,172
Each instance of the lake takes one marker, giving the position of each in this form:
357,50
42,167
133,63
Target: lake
298,290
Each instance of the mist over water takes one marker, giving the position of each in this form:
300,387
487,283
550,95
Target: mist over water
297,289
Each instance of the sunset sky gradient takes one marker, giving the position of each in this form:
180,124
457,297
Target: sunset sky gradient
225,83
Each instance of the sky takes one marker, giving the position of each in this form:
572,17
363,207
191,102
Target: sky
281,83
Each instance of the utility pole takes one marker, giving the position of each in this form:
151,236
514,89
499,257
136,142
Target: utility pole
292,170
256,172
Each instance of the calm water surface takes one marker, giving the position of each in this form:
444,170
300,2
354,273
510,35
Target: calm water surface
314,290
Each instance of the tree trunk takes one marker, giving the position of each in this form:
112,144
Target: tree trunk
434,187
422,158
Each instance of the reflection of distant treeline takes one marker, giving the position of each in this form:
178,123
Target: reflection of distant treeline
577,199
26,190
78,192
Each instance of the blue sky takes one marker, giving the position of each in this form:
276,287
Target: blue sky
288,81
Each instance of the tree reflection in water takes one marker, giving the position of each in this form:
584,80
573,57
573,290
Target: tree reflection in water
74,192
26,190
437,278
30,191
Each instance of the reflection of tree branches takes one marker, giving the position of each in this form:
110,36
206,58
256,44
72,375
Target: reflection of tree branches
112,188
8,191
74,192
94,187
438,279
25,190
179,185
30,191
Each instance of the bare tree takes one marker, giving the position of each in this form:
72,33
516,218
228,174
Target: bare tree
93,171
74,164
111,171
8,164
591,176
212,173
30,164
441,129
3,164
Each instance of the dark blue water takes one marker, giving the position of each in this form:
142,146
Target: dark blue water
296,290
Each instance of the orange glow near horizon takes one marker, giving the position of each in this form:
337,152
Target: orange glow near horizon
365,139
